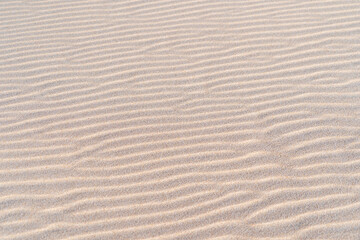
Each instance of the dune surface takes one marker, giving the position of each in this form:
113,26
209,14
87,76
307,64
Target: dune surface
184,120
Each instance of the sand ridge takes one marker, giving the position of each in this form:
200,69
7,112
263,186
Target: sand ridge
179,120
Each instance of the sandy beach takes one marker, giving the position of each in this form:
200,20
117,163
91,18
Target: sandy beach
179,120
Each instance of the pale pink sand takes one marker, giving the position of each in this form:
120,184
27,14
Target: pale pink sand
223,120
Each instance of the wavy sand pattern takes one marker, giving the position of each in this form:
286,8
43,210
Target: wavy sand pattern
159,120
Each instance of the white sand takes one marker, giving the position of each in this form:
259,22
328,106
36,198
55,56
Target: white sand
231,120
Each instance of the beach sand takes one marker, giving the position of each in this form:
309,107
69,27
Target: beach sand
195,119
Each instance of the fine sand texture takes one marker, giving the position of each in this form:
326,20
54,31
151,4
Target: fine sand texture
179,120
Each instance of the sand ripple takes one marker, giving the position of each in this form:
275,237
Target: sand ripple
231,120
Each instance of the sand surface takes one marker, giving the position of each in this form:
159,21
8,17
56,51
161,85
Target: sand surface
186,120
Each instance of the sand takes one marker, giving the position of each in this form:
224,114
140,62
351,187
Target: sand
159,120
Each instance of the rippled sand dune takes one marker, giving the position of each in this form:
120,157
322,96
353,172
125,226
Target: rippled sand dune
186,120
